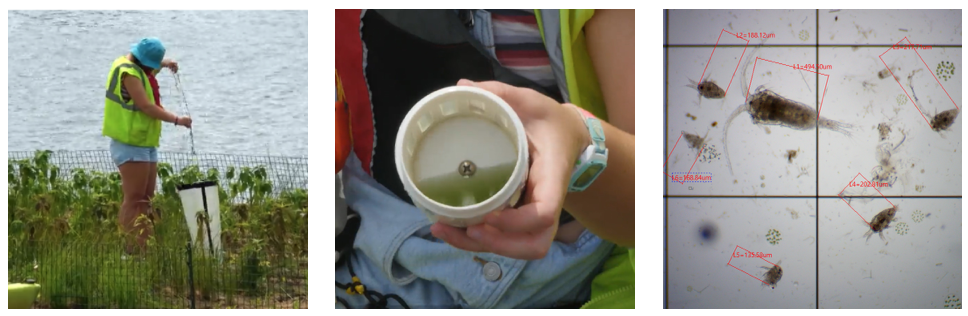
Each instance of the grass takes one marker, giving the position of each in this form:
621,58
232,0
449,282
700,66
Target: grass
63,232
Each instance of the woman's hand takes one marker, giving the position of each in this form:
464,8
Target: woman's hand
556,135
185,121
170,64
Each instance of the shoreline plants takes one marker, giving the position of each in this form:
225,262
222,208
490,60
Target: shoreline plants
63,232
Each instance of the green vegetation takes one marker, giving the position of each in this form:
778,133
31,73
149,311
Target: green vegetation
64,234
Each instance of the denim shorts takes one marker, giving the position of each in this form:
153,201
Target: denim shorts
122,153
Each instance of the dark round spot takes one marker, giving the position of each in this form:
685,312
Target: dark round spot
708,232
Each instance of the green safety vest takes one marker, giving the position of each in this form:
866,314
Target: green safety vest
123,121
564,38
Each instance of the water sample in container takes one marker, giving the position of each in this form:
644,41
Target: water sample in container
462,152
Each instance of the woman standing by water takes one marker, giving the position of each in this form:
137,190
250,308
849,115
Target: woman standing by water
132,119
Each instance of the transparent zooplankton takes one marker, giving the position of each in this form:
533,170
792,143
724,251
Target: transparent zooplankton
768,108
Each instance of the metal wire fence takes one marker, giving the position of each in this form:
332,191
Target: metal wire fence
85,275
286,173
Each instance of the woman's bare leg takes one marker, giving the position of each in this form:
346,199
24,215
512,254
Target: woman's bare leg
134,181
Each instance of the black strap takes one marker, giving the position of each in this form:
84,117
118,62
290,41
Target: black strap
375,299
345,239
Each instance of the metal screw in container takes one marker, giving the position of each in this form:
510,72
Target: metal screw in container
467,168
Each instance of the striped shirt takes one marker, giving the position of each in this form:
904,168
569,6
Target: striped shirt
518,46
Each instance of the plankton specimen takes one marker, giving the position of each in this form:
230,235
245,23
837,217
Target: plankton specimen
942,121
768,108
707,88
694,140
881,222
773,274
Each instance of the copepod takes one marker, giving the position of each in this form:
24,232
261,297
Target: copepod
695,141
773,274
768,108
881,222
942,121
707,88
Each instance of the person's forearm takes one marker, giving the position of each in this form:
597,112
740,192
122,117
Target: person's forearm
607,207
159,113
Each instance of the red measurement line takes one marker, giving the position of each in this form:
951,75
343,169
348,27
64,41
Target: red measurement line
751,79
820,107
711,55
881,56
841,195
899,81
729,263
670,156
737,64
694,162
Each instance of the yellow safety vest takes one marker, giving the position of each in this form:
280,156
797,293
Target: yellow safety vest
123,121
564,38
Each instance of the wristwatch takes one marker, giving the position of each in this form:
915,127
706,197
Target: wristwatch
593,160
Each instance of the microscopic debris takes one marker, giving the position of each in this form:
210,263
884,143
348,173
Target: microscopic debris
883,129
762,185
762,177
790,155
689,288
693,117
902,30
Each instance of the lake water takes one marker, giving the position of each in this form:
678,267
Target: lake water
244,74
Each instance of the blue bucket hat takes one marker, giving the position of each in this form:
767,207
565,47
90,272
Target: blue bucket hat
149,51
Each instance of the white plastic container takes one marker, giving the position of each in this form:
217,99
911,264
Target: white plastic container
202,197
461,153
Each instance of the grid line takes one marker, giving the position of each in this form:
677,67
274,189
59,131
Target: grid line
817,195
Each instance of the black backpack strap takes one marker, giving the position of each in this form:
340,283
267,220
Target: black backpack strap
344,241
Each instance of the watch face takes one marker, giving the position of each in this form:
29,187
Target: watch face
588,175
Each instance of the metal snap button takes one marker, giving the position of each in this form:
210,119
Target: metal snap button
492,271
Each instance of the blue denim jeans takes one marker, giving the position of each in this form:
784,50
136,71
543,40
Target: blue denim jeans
394,253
